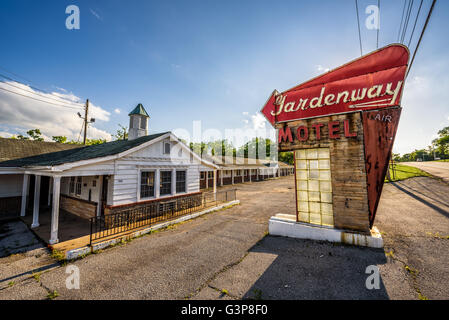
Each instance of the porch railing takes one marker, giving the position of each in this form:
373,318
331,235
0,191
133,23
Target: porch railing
154,212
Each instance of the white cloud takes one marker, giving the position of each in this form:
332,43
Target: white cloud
245,113
320,68
117,110
19,114
258,121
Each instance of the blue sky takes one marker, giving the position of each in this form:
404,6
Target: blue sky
214,61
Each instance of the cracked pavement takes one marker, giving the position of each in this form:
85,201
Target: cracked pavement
227,255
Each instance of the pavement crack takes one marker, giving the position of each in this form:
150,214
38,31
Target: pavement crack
411,272
214,276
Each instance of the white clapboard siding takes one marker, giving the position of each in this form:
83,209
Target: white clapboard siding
125,172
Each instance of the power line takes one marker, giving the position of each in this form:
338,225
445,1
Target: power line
402,20
58,105
28,84
61,100
414,25
79,136
358,23
404,30
421,36
14,74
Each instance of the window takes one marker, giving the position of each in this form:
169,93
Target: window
202,175
180,181
314,186
167,147
210,174
146,184
165,186
238,173
72,185
78,185
143,123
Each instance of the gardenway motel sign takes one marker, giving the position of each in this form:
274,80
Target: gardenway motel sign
373,81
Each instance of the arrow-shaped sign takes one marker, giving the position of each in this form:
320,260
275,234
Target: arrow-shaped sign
373,81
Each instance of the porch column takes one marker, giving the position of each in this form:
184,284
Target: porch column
26,179
173,181
55,210
37,194
232,176
50,185
157,184
215,182
257,174
221,177
250,172
207,179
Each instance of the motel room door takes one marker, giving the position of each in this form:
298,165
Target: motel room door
104,193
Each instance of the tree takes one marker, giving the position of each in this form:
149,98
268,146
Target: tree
89,142
442,142
20,137
396,156
122,133
59,139
35,134
286,157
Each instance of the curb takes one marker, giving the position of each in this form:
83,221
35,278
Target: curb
76,253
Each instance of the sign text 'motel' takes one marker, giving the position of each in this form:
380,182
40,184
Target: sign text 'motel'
350,113
301,133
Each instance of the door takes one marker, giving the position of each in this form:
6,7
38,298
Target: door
104,193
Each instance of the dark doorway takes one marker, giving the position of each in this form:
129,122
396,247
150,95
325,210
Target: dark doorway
104,193
30,201
45,185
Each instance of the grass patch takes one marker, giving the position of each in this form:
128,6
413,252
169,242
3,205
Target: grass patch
52,294
11,283
59,256
422,297
37,276
403,172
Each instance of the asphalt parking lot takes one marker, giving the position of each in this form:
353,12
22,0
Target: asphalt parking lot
228,255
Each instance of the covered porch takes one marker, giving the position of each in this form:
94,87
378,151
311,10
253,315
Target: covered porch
58,208
70,226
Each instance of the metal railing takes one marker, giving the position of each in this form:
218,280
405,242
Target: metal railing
153,212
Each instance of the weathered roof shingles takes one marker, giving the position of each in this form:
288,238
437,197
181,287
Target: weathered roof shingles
11,149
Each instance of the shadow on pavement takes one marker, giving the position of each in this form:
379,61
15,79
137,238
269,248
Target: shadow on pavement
15,238
305,269
415,194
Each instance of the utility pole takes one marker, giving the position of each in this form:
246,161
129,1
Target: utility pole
85,120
